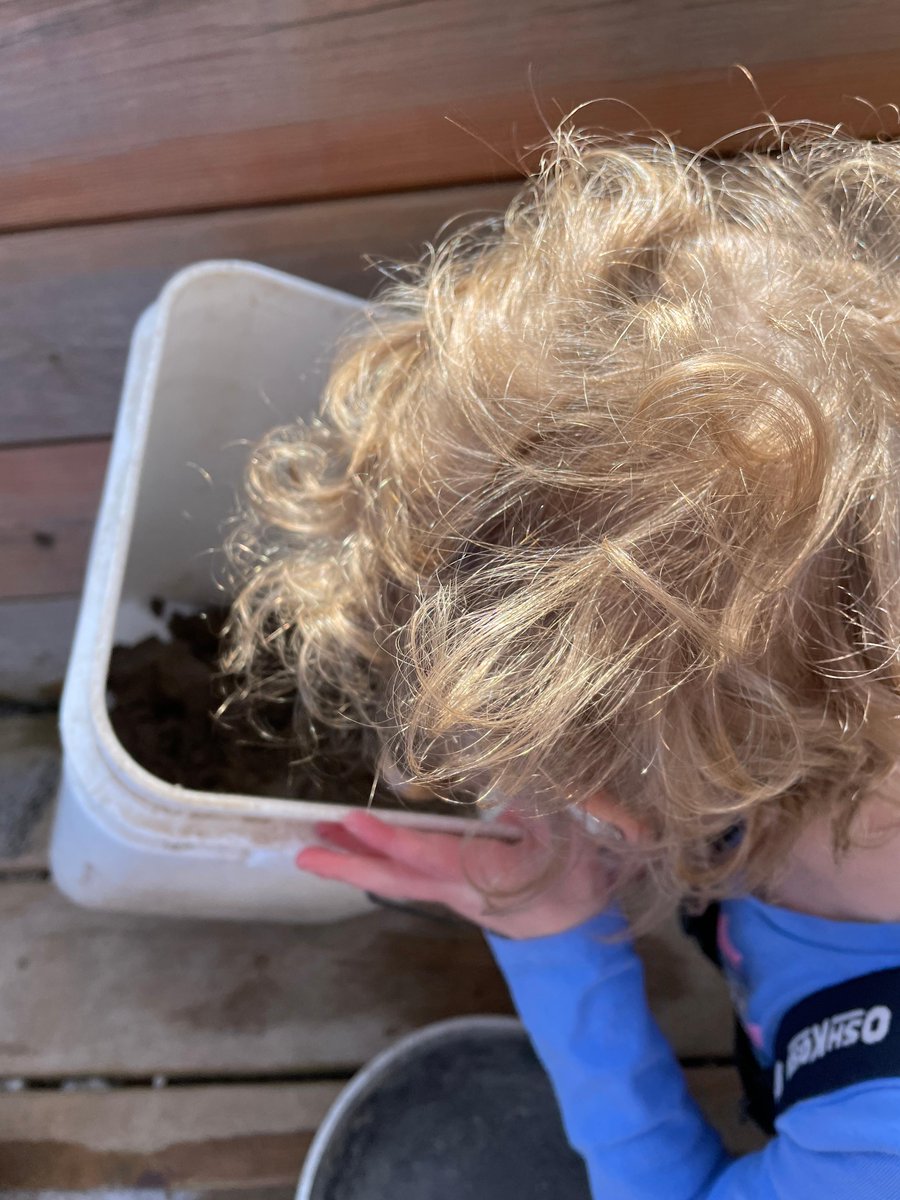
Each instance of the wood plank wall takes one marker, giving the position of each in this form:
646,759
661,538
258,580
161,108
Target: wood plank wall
117,109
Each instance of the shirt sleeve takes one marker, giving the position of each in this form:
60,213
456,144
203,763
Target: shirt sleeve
623,1096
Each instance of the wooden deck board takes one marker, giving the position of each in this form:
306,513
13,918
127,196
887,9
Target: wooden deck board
205,1138
48,501
231,1136
87,993
114,111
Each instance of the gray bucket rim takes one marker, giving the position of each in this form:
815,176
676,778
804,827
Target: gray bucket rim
381,1065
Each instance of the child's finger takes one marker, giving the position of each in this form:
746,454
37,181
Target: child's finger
432,854
335,834
372,875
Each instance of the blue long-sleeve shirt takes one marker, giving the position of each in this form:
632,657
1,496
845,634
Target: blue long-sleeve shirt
622,1093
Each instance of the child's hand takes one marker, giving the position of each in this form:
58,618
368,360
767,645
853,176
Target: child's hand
405,864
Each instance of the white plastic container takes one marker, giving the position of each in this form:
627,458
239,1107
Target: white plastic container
229,350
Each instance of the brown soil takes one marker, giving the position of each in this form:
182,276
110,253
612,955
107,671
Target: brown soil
163,700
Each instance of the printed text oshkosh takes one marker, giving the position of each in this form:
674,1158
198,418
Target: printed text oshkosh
844,1029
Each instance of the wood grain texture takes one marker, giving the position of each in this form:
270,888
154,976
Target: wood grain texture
93,993
48,500
70,297
84,992
113,109
188,1137
204,1138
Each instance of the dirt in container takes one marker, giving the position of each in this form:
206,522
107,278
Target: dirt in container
163,699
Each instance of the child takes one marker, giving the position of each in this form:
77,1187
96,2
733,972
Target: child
603,522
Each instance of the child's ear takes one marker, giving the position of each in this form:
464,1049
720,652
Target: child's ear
603,807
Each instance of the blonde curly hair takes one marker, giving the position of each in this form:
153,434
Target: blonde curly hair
605,497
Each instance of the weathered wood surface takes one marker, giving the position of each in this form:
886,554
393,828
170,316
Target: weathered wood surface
48,501
69,298
111,109
88,993
94,993
230,1136
202,1138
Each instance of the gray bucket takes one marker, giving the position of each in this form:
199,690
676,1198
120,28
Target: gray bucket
460,1110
